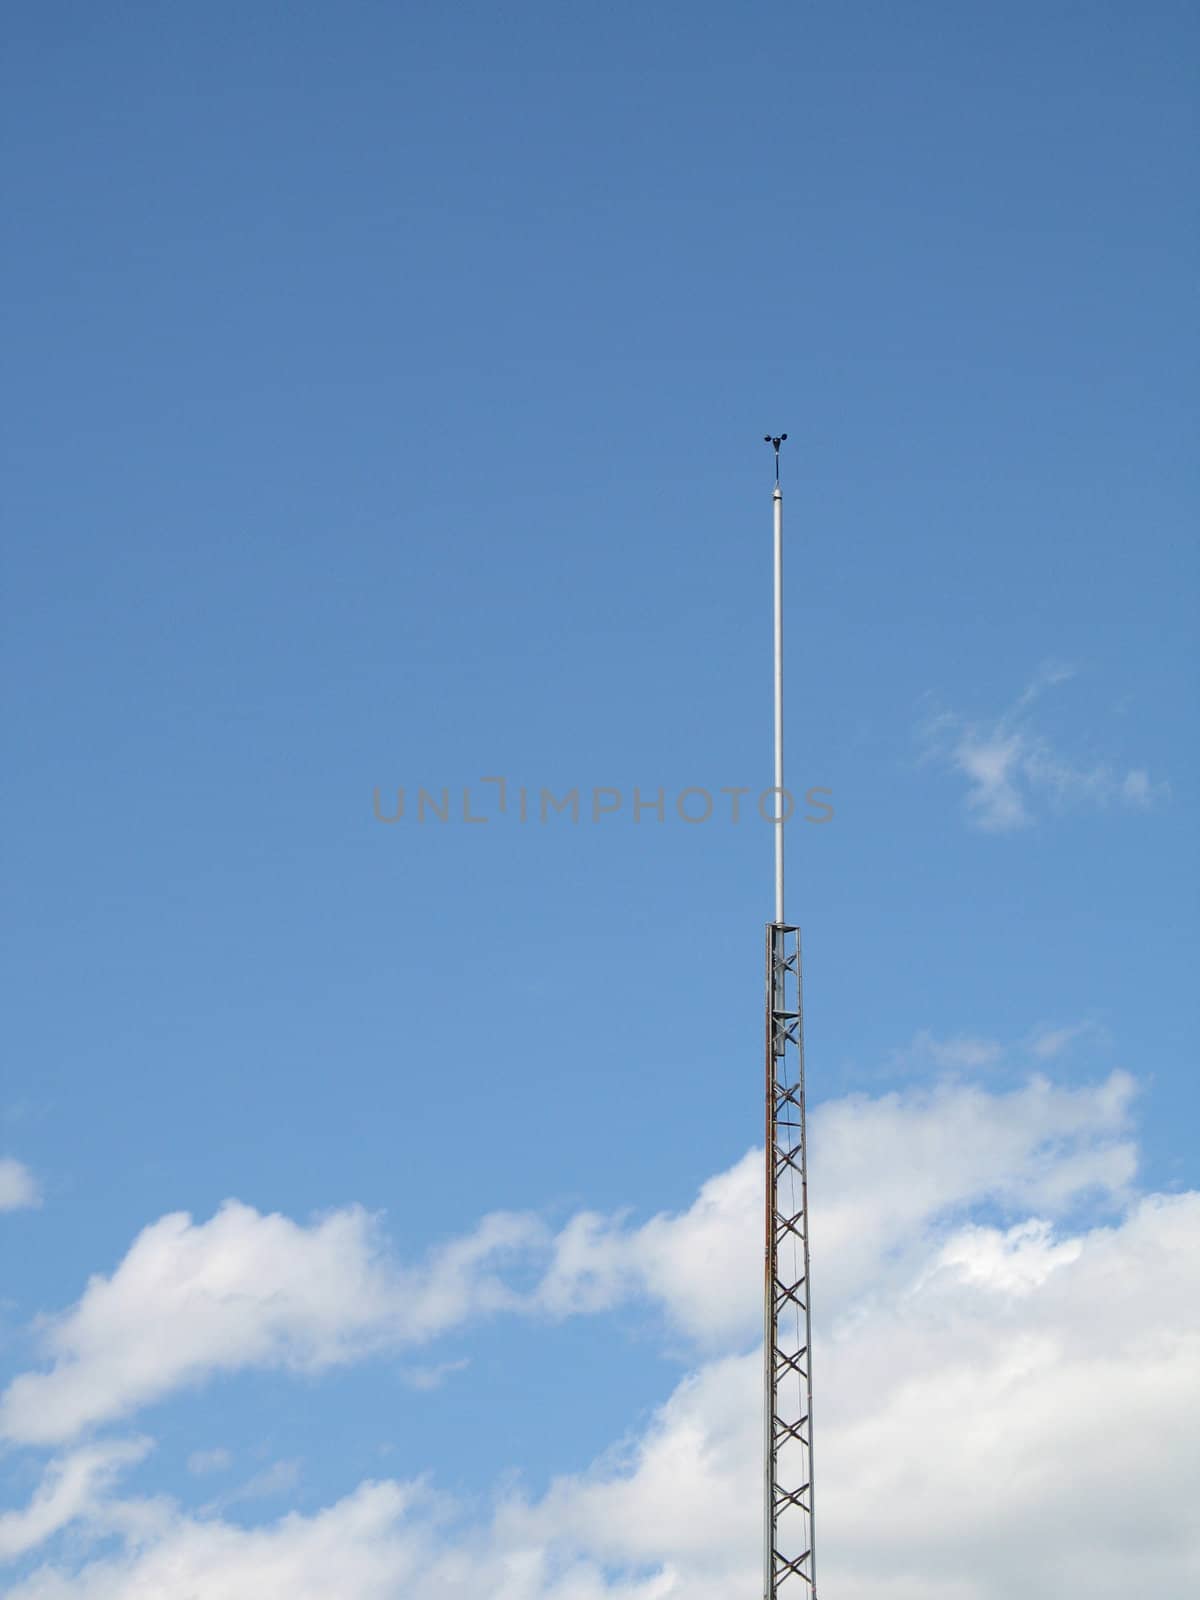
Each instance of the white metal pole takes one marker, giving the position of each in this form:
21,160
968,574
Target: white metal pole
779,795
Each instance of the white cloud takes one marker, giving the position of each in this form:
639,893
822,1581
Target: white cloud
1044,1385
978,1373
18,1187
599,1261
885,1169
680,1497
1011,768
1047,1042
967,1053
72,1487
356,1550
279,1479
203,1462
246,1290
882,1170
1019,1380
983,1393
963,1052
426,1378
1014,1260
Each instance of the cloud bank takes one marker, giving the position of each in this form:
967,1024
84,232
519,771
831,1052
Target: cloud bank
1007,1385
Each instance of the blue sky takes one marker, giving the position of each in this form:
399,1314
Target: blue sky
389,394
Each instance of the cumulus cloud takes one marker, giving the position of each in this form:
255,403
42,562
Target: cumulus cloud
983,1393
1012,770
357,1550
991,1358
18,1187
245,1290
887,1169
1025,1378
990,1397
882,1170
679,1500
599,1261
72,1487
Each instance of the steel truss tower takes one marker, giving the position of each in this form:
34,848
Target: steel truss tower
789,1558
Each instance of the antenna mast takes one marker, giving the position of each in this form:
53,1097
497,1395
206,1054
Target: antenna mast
788,1532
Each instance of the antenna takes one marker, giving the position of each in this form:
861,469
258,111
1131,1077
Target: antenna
788,1522
775,441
